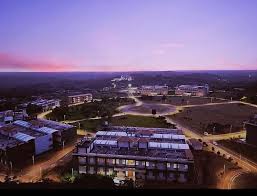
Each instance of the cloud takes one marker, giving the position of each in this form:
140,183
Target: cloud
172,45
166,47
12,62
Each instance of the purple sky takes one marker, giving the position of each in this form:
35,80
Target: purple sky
127,35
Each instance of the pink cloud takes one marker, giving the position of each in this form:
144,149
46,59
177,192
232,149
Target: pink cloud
8,61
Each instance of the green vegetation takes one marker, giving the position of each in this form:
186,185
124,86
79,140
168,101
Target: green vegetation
241,148
140,121
127,120
105,108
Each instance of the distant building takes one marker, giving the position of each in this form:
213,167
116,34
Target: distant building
81,98
47,104
251,131
122,78
149,154
192,90
10,116
154,90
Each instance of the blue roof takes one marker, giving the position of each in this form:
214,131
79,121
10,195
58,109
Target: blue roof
47,130
23,137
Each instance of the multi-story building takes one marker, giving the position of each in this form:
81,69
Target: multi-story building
149,154
15,151
41,136
192,90
10,116
81,98
153,90
251,131
47,104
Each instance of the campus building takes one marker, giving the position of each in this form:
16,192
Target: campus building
148,154
153,90
10,116
81,98
47,104
34,137
251,131
192,90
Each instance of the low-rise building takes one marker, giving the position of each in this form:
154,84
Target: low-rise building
154,90
81,98
251,131
46,104
148,154
192,90
10,116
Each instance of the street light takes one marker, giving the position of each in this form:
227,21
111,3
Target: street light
33,159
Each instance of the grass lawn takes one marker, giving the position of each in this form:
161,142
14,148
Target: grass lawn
179,100
247,151
128,120
140,121
205,118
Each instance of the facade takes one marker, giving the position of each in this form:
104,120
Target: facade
192,90
33,137
81,98
47,104
148,154
14,151
154,90
251,131
10,116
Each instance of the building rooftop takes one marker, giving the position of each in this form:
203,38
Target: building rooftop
147,142
78,95
8,142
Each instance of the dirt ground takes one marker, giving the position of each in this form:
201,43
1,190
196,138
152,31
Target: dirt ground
205,118
181,100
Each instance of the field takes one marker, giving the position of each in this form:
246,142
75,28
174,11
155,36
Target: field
179,100
147,108
215,119
127,120
245,150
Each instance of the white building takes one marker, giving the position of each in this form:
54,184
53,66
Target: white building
154,90
192,90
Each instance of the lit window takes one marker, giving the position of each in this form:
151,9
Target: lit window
113,161
147,164
137,162
123,161
175,165
117,161
168,165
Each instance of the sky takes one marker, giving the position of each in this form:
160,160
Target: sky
128,35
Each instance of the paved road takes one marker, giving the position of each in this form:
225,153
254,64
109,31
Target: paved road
33,173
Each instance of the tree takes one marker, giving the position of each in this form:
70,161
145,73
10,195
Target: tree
33,110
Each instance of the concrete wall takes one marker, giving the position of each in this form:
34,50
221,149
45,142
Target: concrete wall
43,144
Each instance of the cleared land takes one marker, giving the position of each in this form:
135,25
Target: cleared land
246,150
127,120
215,119
146,108
179,100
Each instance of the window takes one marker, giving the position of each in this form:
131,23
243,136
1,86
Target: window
137,162
117,161
130,162
168,165
175,165
123,161
113,161
147,164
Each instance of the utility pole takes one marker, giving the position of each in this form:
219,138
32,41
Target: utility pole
40,170
62,144
72,172
11,166
213,130
231,99
230,128
33,159
224,168
79,125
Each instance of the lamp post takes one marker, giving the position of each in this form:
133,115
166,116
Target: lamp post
33,159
